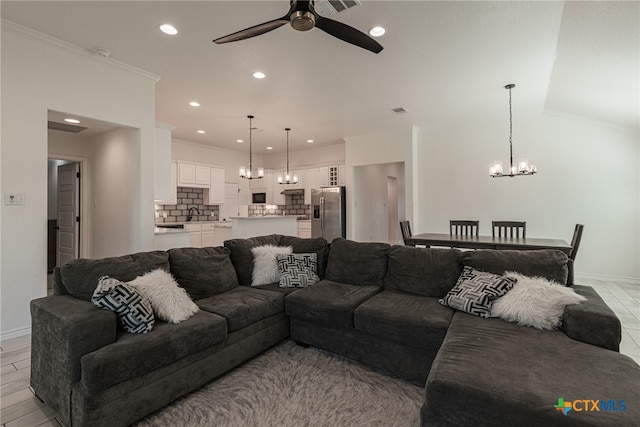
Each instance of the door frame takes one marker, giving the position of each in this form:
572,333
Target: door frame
85,220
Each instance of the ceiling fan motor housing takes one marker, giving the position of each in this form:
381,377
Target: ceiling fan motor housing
302,20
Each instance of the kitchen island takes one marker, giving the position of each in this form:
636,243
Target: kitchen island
253,226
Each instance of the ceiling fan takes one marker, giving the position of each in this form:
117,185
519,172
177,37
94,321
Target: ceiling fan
303,17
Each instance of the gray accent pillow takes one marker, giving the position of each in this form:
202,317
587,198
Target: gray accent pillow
80,276
133,311
475,291
357,263
317,245
423,271
203,272
242,257
548,263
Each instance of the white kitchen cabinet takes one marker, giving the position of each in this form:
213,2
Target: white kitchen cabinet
217,187
164,186
173,187
195,235
311,181
274,196
323,178
208,235
259,184
223,232
193,175
342,175
304,229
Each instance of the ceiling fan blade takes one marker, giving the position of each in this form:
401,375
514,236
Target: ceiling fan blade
256,30
347,34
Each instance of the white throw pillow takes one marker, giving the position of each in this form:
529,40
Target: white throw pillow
169,301
534,301
265,265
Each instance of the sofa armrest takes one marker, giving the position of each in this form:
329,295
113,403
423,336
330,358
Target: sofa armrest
592,321
63,329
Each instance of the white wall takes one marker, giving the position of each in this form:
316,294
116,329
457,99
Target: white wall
394,146
588,173
40,75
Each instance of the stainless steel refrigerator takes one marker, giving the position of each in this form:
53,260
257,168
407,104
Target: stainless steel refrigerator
328,218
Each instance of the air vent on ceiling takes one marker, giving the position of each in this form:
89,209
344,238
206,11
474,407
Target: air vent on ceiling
332,7
400,110
64,127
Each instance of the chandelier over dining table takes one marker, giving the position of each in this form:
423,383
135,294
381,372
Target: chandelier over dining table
250,173
288,177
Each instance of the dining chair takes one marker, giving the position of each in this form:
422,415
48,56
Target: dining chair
464,227
405,228
509,229
575,243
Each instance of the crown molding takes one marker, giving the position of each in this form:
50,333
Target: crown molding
10,25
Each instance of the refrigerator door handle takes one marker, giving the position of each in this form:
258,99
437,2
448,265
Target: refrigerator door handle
322,213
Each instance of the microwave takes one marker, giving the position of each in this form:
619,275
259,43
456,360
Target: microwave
258,198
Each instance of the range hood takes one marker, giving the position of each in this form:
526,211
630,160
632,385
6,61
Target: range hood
292,191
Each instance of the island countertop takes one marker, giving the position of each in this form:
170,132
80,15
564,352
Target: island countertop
252,226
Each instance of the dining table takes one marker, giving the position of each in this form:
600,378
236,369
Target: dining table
488,242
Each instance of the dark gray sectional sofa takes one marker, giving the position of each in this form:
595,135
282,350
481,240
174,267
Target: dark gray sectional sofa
375,303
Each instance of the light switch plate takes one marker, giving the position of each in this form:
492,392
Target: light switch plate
14,199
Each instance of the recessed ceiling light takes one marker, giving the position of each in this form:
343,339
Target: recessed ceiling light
259,75
310,141
240,140
377,31
168,29
269,148
194,103
72,121
201,131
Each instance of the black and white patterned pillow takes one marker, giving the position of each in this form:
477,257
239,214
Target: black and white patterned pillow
475,291
297,270
134,312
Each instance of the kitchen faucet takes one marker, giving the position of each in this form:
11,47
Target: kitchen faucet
190,215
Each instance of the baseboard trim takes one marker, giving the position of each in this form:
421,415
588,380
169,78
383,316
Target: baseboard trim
15,333
631,280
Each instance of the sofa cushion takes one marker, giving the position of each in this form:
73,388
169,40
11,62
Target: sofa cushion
134,312
328,302
265,264
412,320
242,257
243,306
80,276
422,271
317,245
134,355
489,373
276,288
547,263
357,263
203,271
475,291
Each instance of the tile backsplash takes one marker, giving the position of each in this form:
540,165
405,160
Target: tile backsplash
188,198
294,206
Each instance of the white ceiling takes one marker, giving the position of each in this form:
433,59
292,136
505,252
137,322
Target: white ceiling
443,61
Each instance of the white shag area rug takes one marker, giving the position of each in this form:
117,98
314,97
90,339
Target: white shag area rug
294,386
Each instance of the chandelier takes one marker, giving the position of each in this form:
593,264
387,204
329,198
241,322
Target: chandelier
288,178
523,168
249,173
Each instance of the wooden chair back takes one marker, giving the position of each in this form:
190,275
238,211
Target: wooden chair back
575,241
405,228
509,229
464,227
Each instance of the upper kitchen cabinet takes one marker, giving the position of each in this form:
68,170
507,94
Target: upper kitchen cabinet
164,168
260,185
332,176
311,181
193,175
217,187
342,175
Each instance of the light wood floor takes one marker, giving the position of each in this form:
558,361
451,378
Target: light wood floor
20,408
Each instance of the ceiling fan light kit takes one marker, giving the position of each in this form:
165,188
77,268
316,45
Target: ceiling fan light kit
523,168
250,173
303,17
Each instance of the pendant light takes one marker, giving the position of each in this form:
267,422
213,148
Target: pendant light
249,173
288,178
524,168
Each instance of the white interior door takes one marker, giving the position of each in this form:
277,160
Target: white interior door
68,213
